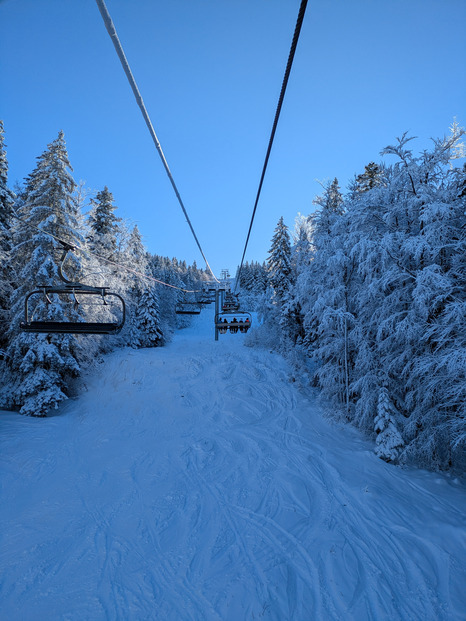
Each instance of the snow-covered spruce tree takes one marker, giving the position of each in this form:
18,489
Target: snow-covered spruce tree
292,311
369,242
302,244
327,308
389,441
260,278
252,284
280,278
133,283
245,277
372,176
6,272
107,238
279,267
335,315
383,236
435,430
104,228
147,323
405,235
40,364
163,269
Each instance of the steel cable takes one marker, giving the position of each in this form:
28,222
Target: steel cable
294,43
121,55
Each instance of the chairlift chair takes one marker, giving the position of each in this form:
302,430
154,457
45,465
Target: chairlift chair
188,308
205,299
234,321
230,302
230,306
75,290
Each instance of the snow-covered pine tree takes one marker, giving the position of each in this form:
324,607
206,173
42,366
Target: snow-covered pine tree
131,283
7,198
162,268
291,319
280,276
260,281
302,244
148,331
389,441
246,277
107,238
368,235
258,278
40,364
436,380
104,227
279,267
371,177
134,255
325,288
334,314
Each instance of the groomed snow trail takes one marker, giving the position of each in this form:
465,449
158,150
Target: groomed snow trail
196,482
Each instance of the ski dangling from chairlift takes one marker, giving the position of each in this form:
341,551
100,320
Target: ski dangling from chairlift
75,291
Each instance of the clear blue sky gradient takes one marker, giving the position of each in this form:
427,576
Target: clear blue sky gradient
210,73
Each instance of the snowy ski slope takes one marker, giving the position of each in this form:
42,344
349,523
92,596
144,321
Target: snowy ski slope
196,482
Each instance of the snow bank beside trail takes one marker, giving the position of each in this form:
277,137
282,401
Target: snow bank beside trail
195,482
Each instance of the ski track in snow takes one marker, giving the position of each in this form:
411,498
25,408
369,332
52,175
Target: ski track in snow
196,482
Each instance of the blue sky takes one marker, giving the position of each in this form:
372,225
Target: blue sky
210,73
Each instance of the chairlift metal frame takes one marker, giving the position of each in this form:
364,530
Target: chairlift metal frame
242,323
74,289
188,308
230,302
230,306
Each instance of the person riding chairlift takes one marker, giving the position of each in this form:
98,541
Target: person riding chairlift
234,326
224,328
246,325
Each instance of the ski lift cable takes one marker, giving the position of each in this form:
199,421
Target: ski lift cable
109,25
294,43
96,256
141,275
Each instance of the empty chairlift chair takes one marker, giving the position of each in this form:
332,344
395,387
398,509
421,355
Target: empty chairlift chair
188,308
73,293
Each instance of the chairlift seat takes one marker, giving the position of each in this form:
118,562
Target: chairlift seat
70,327
242,321
73,327
188,308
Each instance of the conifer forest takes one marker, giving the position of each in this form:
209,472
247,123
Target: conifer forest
366,295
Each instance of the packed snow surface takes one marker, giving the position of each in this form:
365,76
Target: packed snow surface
199,482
